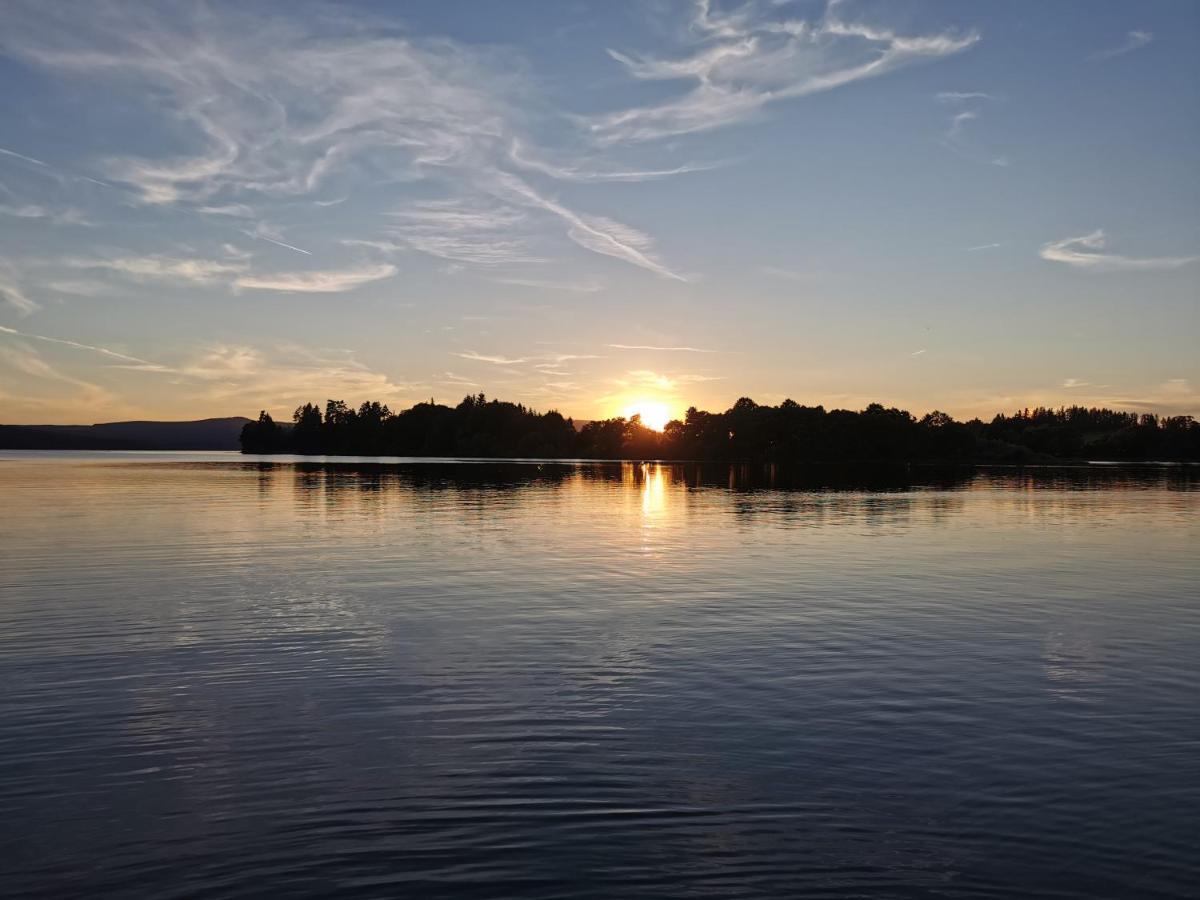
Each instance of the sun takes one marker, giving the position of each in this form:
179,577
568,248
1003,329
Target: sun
654,413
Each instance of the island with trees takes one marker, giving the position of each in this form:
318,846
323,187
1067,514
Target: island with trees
789,432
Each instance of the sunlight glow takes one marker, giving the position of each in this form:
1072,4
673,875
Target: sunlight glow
655,414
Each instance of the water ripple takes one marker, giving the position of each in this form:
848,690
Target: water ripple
223,677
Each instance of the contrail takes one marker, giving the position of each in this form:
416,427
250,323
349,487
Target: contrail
280,243
29,159
78,346
51,171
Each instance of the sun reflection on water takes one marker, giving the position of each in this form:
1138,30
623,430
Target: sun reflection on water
654,490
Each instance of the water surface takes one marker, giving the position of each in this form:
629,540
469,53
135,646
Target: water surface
230,677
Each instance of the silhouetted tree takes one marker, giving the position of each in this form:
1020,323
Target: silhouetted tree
263,436
307,434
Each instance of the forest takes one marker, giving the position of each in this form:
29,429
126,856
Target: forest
789,432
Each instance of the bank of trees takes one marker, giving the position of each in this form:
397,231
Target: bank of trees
1077,431
476,427
785,433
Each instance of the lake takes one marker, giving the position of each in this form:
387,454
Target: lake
224,676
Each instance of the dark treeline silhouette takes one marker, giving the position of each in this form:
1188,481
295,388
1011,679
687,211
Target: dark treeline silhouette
476,427
746,431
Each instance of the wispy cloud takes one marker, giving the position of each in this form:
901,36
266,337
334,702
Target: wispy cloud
659,348
962,96
471,231
235,252
741,61
979,247
598,234
284,376
1086,253
1134,40
234,272
587,171
12,293
236,210
80,287
457,380
162,267
280,108
575,287
495,360
967,107
332,281
36,211
26,361
215,379
544,362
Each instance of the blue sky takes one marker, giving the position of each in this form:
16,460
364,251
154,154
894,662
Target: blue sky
211,209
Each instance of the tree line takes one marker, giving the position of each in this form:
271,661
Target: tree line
788,432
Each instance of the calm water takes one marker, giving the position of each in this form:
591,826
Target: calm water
222,677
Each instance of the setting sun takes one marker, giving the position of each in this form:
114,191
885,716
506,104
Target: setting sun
654,414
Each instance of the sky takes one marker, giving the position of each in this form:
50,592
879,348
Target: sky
212,209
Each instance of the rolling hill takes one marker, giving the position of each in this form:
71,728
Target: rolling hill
203,434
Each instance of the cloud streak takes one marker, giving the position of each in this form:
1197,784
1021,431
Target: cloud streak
1086,252
26,361
12,293
659,348
495,360
477,231
36,211
139,268
595,233
333,281
16,298
589,174
1134,40
284,376
574,287
968,108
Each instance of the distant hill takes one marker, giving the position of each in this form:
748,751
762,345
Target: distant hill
203,434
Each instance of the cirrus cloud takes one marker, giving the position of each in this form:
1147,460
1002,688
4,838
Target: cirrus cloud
1134,40
1086,252
162,267
744,60
331,281
272,109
